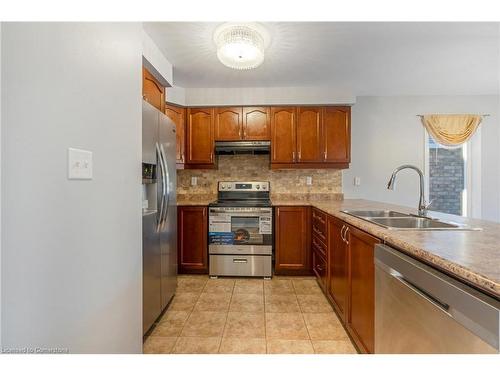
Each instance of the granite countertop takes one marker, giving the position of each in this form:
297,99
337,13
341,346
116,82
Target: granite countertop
473,256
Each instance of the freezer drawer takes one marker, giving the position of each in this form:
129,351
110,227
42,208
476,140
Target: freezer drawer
240,265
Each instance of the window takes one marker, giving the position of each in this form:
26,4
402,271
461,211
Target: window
448,177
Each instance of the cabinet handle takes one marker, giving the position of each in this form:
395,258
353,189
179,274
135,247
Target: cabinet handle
324,155
345,235
318,232
319,268
342,233
293,155
322,221
299,155
211,156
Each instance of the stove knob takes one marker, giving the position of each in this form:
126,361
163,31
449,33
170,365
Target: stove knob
264,187
223,186
258,187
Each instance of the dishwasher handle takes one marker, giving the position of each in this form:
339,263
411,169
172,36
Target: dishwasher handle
444,307
474,310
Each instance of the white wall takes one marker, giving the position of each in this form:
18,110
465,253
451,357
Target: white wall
265,96
387,133
155,61
72,260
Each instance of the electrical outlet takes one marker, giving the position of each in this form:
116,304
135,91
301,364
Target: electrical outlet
357,181
309,180
194,181
79,164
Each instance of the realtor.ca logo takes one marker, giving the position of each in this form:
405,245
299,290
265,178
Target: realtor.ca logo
34,350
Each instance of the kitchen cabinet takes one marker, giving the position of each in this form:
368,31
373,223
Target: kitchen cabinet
336,139
292,240
283,135
338,266
256,123
361,314
228,124
152,91
178,116
192,234
309,122
310,137
200,138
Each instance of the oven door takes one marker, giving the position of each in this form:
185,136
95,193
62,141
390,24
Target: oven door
240,230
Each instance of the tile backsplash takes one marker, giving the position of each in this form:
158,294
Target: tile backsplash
256,168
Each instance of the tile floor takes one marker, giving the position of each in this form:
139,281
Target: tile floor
243,316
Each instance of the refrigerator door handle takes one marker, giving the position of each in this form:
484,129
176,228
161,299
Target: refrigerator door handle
166,191
162,183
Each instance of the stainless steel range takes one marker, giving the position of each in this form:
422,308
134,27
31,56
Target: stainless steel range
240,233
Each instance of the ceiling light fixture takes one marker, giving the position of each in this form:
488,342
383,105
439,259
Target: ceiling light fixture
241,45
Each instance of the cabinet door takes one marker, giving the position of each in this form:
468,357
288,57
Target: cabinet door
228,124
283,139
192,239
337,134
338,280
200,140
152,91
361,319
309,135
178,117
292,240
256,125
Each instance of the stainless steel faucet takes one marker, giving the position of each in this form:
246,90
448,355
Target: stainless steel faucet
422,205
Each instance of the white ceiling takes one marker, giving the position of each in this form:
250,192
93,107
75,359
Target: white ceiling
359,57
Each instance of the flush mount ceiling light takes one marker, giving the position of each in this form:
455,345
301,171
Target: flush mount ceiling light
241,45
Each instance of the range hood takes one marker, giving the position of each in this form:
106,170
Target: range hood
242,147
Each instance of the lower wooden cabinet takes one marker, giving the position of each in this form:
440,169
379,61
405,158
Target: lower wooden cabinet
192,234
338,266
347,275
361,317
292,240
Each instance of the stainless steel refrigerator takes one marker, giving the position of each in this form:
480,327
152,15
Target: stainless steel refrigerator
159,213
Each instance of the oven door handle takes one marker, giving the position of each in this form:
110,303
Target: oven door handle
240,260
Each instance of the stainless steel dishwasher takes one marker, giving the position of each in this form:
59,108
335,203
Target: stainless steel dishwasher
421,310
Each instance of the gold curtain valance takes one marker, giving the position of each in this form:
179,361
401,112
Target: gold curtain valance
451,130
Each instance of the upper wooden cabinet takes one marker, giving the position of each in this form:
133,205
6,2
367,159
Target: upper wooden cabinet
200,137
178,117
292,241
283,134
336,139
228,124
242,123
256,123
152,91
309,135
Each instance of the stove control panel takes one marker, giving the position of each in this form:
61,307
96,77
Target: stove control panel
243,186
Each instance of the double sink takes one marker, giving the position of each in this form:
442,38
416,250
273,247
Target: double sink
400,221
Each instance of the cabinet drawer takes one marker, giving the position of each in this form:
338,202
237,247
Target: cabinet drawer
318,245
240,265
319,224
319,268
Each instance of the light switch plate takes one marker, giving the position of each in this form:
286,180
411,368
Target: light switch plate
79,164
357,181
194,181
309,180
